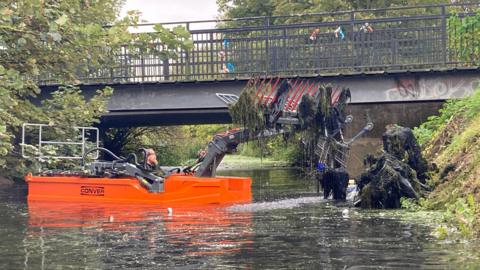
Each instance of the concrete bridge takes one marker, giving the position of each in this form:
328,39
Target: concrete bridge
405,98
409,62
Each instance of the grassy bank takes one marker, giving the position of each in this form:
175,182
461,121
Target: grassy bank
451,142
234,162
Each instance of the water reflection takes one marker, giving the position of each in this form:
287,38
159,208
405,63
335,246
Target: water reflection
276,184
136,235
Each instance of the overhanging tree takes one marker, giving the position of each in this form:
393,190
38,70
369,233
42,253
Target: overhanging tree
59,40
251,8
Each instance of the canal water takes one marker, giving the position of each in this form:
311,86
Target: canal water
287,226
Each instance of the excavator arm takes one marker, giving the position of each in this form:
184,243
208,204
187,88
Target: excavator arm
224,143
217,148
280,102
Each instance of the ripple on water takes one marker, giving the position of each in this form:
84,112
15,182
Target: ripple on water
301,232
280,204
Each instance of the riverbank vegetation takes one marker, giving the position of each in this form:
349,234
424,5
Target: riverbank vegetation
180,145
239,162
277,149
174,145
451,142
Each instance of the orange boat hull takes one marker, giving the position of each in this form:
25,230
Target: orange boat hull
178,189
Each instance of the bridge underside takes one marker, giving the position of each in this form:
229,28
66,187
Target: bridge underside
408,114
179,103
166,117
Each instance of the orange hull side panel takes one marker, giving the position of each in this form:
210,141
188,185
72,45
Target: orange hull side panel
178,189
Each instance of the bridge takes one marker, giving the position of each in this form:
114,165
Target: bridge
388,56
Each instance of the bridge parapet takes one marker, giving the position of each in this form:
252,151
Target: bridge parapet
366,41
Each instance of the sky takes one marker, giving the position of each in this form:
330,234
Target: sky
156,11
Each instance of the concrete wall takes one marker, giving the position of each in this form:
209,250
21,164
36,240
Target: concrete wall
364,89
410,114
183,102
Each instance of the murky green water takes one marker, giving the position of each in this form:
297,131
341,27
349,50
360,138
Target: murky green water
286,227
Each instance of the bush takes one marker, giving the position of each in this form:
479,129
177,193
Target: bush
466,108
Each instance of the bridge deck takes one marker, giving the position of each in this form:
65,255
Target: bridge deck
400,39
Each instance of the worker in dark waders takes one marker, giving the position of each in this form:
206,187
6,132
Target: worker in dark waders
333,181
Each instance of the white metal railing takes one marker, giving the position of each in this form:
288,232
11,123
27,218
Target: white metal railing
229,99
42,142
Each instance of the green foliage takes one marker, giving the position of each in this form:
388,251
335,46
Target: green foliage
426,130
288,150
66,108
253,149
60,41
248,162
276,148
203,133
462,214
175,145
463,35
68,105
452,140
252,8
180,145
410,204
466,108
247,113
245,8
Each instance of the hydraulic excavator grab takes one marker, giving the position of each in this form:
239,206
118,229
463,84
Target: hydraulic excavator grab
286,106
289,106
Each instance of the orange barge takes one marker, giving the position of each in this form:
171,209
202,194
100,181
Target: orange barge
125,179
184,189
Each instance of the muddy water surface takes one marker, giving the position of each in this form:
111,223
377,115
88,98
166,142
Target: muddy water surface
286,227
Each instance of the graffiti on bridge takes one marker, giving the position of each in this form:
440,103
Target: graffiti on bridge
432,87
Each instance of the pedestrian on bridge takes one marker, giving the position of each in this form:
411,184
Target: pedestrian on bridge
366,28
340,32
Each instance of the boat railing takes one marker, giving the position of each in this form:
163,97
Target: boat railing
39,139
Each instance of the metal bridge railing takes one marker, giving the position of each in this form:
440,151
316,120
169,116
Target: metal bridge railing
397,39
